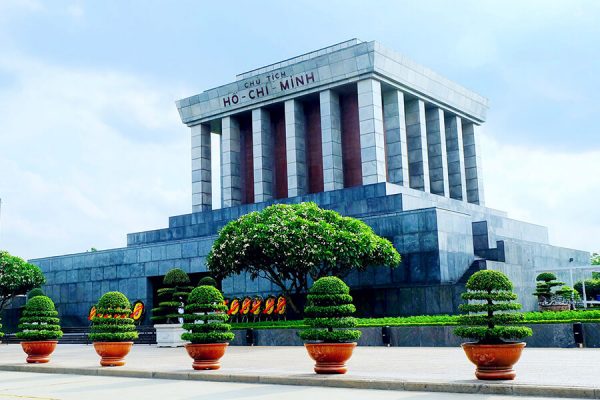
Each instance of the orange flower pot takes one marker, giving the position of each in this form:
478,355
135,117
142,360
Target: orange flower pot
494,361
38,351
112,353
206,356
330,358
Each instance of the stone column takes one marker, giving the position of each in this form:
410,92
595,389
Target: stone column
295,144
372,138
331,136
262,152
456,157
201,170
473,175
394,123
231,179
416,138
436,151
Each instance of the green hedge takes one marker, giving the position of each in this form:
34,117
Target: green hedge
530,318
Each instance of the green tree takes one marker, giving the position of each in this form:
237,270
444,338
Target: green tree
39,320
172,296
329,312
492,291
112,322
206,317
545,287
17,277
595,259
288,244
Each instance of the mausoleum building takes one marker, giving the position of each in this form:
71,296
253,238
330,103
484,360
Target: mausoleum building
356,128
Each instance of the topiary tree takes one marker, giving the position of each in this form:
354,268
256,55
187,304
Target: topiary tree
289,243
329,312
545,287
39,320
35,292
112,322
207,281
17,277
493,292
172,297
206,316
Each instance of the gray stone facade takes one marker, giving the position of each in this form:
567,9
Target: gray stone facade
421,185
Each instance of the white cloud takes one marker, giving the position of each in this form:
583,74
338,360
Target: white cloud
76,11
86,157
557,189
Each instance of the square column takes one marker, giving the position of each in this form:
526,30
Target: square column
394,123
456,157
201,169
262,150
436,151
473,174
372,139
231,179
295,142
416,138
331,137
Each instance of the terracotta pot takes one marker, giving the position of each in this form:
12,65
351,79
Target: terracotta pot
330,357
494,361
39,351
112,353
206,356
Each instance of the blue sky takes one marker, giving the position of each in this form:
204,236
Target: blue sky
91,147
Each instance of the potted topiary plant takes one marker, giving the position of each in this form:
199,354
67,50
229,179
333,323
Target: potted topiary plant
112,329
167,317
548,298
493,356
329,312
39,329
208,331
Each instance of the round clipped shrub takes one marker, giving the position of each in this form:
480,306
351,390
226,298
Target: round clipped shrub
487,318
112,322
35,292
172,297
39,320
207,281
329,312
206,317
176,277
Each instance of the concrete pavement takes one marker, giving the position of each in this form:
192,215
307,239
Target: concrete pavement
23,385
541,372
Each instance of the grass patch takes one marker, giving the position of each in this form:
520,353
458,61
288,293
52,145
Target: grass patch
547,317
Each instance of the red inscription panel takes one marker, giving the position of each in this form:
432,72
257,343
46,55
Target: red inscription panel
314,149
280,162
350,140
246,159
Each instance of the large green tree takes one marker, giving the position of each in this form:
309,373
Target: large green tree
17,277
595,259
288,244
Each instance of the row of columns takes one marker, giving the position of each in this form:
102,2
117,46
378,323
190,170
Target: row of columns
402,141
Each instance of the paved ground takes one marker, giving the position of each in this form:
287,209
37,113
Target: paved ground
23,385
548,372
